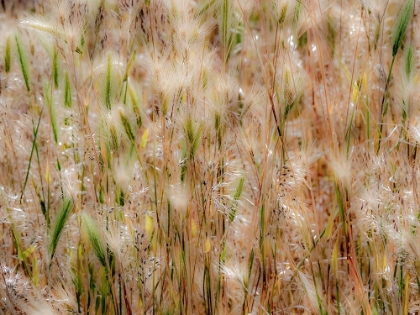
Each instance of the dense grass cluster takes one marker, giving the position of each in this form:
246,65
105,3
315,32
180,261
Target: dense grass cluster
209,157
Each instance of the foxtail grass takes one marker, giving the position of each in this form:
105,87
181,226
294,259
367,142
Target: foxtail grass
60,222
402,23
94,238
209,157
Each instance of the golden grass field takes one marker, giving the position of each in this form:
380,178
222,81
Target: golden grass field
209,157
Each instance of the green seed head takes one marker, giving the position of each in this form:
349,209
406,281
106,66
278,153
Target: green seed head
402,24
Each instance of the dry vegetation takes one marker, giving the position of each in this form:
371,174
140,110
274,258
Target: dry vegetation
209,157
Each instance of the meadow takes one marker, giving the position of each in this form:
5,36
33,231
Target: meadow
209,157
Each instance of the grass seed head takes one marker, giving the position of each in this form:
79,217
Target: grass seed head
402,23
180,132
94,237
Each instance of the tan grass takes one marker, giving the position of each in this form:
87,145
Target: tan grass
209,157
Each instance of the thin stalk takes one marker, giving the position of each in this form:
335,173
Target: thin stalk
35,133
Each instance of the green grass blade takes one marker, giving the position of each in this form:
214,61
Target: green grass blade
127,126
55,68
67,92
239,189
94,237
225,27
51,108
7,56
35,132
113,138
409,62
236,196
23,63
341,208
193,135
108,83
60,222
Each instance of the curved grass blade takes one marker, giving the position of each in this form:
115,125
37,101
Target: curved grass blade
23,63
60,222
238,193
94,237
403,20
51,108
